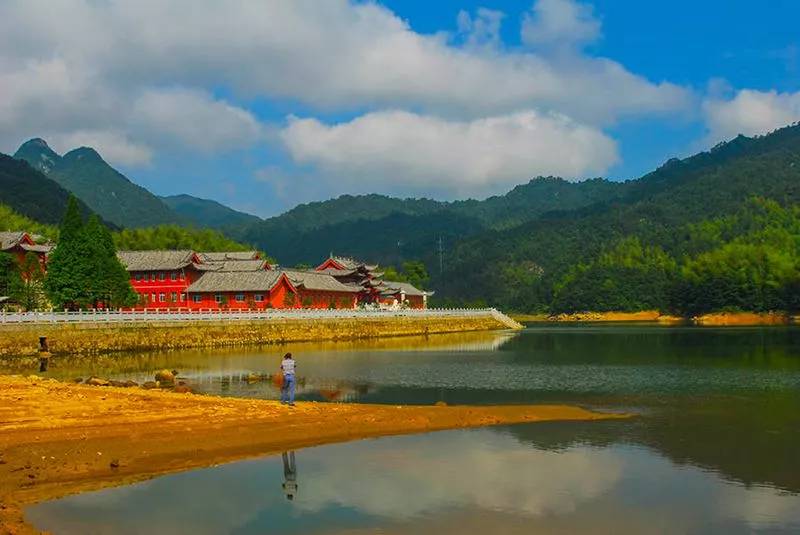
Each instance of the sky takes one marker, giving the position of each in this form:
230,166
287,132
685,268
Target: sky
264,104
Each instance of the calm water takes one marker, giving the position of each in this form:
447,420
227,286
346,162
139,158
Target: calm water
715,450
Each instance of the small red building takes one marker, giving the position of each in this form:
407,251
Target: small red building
245,290
161,278
320,290
21,243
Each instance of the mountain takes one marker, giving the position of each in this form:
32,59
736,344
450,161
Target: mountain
105,190
30,193
206,213
390,230
527,266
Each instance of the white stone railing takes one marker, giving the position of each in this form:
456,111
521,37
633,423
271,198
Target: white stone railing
173,315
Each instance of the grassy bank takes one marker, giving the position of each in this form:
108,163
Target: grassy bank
85,338
715,319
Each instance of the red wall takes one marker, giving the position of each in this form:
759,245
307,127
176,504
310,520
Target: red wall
150,287
316,299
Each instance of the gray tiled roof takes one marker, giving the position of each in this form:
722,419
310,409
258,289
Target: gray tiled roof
229,255
351,263
393,287
242,265
316,280
155,260
337,272
237,281
10,239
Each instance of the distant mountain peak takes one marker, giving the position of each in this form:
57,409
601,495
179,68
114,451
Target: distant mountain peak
38,154
83,153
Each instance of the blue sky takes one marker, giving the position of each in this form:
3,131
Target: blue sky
263,105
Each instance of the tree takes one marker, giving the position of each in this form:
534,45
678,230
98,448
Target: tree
110,284
26,289
8,272
69,275
416,274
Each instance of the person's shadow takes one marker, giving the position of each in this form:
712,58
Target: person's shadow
289,475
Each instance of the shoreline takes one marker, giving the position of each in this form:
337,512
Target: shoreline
716,319
21,340
58,439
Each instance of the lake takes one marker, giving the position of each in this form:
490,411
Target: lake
715,448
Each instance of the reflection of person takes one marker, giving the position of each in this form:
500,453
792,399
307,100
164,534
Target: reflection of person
287,391
289,475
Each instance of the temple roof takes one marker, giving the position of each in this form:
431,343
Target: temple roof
236,281
156,260
351,263
242,265
316,280
23,240
393,287
229,255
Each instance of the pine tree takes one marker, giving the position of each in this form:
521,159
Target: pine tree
26,289
70,269
8,272
110,284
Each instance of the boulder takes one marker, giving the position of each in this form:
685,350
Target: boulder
441,404
165,376
78,380
97,381
183,389
150,385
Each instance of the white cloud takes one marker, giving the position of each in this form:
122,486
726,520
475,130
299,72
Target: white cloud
194,119
112,145
465,157
749,112
482,30
330,54
560,23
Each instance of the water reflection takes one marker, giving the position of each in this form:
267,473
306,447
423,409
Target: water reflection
289,475
450,482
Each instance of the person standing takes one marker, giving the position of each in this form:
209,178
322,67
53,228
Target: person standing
287,390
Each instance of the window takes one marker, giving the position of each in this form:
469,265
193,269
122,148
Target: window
183,297
173,276
218,298
258,298
152,298
162,276
173,297
197,298
152,277
162,297
240,298
138,277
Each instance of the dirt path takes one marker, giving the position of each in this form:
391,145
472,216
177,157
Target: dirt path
58,439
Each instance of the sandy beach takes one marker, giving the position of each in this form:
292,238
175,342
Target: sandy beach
58,438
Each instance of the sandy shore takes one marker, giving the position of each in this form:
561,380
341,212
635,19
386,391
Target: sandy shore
58,439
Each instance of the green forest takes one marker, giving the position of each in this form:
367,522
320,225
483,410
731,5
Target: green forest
713,232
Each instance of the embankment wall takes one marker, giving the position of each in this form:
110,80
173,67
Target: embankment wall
89,338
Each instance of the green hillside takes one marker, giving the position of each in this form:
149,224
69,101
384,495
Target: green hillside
527,266
30,193
391,230
206,213
105,190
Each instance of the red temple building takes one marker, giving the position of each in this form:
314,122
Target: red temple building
242,280
20,244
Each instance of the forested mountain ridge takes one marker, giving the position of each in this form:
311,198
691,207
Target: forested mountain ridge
392,230
30,193
206,213
521,267
104,189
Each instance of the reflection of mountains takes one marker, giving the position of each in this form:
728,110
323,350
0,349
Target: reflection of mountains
751,439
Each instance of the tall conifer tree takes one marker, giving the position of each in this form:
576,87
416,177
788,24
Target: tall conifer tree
110,284
70,268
